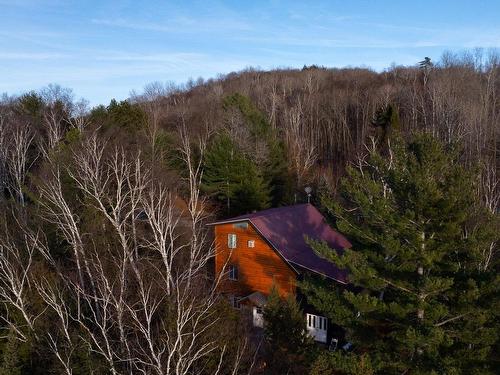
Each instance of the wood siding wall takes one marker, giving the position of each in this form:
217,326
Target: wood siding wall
258,267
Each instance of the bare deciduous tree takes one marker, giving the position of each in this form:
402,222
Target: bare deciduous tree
302,153
79,116
152,100
146,303
17,159
15,268
58,105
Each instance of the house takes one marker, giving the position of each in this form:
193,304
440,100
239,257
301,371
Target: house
257,250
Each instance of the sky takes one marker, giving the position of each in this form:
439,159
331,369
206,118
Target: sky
104,49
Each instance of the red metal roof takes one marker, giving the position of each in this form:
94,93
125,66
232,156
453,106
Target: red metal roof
286,228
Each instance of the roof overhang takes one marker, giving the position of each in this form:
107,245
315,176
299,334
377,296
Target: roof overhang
256,298
320,273
230,221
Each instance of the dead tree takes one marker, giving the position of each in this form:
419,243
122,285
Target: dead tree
152,100
17,160
15,267
302,153
3,153
79,116
489,191
165,262
58,105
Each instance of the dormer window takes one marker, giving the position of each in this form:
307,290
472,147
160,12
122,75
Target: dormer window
241,225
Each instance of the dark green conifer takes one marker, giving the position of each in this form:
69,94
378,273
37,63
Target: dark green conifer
233,178
386,121
275,168
287,343
420,302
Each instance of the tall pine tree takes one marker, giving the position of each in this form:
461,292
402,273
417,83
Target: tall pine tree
233,178
275,168
420,302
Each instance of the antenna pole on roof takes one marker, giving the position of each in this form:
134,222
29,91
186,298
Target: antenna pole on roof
308,191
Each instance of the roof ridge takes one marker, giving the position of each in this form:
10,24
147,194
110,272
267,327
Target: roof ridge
269,211
262,213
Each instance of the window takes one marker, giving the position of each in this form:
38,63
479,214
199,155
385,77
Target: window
233,272
241,225
251,243
231,241
235,301
317,322
317,327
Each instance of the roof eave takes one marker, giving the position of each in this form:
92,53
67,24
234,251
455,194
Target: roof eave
227,222
321,273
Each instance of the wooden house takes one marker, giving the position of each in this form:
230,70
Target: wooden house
268,247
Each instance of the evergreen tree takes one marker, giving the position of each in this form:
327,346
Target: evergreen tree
386,121
122,115
233,178
258,125
276,172
126,114
287,343
32,104
336,363
420,301
12,359
275,168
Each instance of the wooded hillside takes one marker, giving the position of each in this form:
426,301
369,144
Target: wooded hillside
105,259
324,117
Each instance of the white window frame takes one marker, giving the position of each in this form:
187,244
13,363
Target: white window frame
251,243
233,272
317,327
232,240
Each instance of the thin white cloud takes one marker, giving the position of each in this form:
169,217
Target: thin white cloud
31,56
178,57
131,25
177,25
30,3
313,41
102,68
441,36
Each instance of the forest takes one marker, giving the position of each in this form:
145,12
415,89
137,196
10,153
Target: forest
106,259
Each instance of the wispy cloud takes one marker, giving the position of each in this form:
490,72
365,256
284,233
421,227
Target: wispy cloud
177,25
442,36
340,42
31,56
122,23
111,47
100,67
178,57
30,3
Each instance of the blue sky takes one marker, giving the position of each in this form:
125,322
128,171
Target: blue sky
104,49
